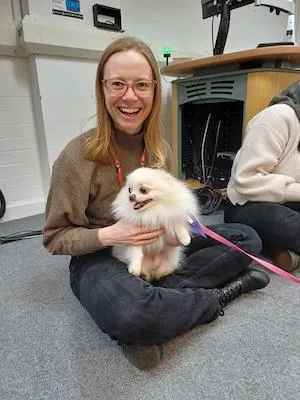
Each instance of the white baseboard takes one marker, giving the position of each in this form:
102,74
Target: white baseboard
23,209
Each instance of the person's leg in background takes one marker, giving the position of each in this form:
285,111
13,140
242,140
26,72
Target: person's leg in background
278,226
137,313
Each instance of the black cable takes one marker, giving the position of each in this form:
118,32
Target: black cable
13,237
223,29
202,148
212,32
210,173
2,204
209,199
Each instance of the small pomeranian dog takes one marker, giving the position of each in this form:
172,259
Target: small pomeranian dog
155,199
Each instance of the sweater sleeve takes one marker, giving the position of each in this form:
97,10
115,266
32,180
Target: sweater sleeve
253,176
66,228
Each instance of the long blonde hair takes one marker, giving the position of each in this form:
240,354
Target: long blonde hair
99,146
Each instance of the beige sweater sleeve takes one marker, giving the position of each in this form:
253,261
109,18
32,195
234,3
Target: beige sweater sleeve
66,227
261,170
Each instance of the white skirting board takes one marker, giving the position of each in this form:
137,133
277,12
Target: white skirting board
23,209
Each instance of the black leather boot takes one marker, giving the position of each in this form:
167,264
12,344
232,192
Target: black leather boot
143,357
252,280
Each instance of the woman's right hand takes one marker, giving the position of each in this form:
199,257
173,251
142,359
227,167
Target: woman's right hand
122,233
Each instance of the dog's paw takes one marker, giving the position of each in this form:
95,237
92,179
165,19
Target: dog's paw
134,269
185,240
183,235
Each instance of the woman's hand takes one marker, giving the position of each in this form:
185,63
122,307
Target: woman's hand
122,233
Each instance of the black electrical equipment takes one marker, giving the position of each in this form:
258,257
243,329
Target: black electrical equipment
107,17
211,137
214,7
223,8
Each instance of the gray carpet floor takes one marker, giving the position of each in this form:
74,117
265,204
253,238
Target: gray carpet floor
51,349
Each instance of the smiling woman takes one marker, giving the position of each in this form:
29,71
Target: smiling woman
86,178
128,93
129,90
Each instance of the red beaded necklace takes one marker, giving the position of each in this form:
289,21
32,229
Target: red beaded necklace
120,176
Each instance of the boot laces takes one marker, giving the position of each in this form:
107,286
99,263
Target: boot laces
230,293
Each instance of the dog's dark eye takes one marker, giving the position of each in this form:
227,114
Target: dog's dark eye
144,190
129,190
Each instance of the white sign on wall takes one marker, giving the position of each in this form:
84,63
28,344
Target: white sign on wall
66,8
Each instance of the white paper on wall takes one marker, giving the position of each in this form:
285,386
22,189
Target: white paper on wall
66,8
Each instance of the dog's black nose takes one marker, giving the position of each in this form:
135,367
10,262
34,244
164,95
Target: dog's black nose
132,197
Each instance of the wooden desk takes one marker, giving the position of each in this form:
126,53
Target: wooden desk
240,59
256,75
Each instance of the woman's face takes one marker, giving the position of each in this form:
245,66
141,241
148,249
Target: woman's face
130,109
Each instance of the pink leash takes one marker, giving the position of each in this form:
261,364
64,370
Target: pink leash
264,263
202,230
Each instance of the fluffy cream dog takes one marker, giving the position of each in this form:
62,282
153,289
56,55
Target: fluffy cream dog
153,198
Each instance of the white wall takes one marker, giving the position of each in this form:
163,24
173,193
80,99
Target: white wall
43,8
298,23
20,175
179,24
67,99
172,23
53,73
6,12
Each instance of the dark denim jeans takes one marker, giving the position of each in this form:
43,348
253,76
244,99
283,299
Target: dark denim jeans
278,225
133,311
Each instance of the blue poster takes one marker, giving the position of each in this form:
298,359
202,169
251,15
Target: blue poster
67,8
73,5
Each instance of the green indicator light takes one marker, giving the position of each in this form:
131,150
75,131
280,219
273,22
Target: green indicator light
166,50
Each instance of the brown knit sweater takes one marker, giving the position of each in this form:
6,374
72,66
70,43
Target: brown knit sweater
81,194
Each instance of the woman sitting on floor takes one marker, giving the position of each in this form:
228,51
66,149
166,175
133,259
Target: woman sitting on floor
264,188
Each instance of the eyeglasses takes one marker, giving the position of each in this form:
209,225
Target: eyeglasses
119,88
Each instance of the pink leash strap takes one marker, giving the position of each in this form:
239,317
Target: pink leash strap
264,263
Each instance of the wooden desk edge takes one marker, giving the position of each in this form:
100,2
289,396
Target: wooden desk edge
281,53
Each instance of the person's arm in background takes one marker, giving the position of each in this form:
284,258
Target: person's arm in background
267,142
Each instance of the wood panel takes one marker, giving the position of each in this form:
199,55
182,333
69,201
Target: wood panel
175,131
262,86
278,53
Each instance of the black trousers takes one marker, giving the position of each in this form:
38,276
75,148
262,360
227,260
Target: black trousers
133,311
278,225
